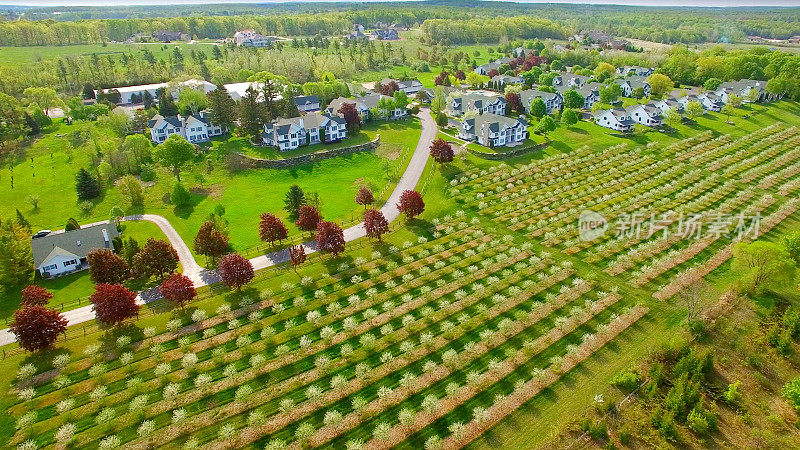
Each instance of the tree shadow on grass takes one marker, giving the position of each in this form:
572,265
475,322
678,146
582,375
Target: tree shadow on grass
332,263
108,340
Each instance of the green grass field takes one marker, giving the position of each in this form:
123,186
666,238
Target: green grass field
27,56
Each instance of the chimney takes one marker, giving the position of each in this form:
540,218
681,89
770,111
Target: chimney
105,237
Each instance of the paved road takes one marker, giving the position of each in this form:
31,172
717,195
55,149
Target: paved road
203,277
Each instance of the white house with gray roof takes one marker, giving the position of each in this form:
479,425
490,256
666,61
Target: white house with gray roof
668,103
66,251
501,81
590,94
480,103
616,119
410,87
292,133
307,103
195,128
635,70
648,114
570,80
492,130
710,101
741,88
552,101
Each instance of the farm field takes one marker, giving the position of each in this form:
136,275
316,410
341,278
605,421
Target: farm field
26,56
482,315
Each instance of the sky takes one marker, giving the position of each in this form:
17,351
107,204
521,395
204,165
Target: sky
706,3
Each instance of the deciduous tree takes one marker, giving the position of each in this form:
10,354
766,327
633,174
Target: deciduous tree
514,103
572,99
693,110
660,85
37,327
538,108
178,288
35,296
375,224
762,264
570,117
271,228
156,258
297,255
330,238
364,197
411,204
441,151
175,153
107,267
113,303
604,71
307,218
210,241
351,116
235,270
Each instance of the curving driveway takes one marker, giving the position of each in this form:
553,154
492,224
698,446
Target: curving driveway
203,277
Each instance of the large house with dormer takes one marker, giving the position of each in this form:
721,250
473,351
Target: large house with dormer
195,128
492,130
742,88
630,84
635,70
410,87
616,119
648,114
251,38
552,101
570,80
710,101
668,103
589,92
480,103
307,103
292,133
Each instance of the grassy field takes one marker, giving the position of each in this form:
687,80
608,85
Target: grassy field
27,56
539,419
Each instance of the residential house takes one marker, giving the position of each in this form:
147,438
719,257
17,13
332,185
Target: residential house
481,103
364,104
616,119
426,95
570,80
385,34
710,101
170,36
373,100
552,101
307,103
195,128
356,35
685,100
251,38
590,94
484,69
668,103
639,81
292,133
635,70
627,90
492,130
741,88
66,251
410,87
648,114
501,81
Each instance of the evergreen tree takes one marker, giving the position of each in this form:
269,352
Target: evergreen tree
251,114
22,221
72,224
222,106
86,185
295,199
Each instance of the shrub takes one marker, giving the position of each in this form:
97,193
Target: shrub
628,380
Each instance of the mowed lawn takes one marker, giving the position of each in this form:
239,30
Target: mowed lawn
48,172
27,56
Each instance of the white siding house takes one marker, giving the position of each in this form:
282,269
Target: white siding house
648,115
615,119
492,130
66,251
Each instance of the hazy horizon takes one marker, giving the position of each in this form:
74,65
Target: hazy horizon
661,3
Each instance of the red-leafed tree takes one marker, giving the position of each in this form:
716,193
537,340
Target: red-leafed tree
35,296
443,79
210,241
460,75
308,218
411,204
37,327
375,224
351,116
493,73
178,288
106,266
157,258
271,229
441,151
389,88
513,102
235,270
297,255
113,303
330,238
364,196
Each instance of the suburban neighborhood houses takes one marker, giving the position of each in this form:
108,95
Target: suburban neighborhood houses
292,133
195,128
478,102
493,130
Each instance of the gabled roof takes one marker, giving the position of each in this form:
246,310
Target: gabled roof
650,109
76,242
306,100
619,114
175,121
486,123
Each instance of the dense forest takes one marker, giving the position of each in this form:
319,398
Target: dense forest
443,21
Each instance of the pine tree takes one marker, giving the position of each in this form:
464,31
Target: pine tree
86,185
222,106
22,221
295,198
